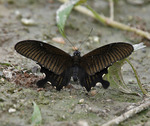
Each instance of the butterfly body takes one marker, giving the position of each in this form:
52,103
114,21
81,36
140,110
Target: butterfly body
76,62
59,66
75,71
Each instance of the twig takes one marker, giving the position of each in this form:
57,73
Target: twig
128,114
109,22
111,5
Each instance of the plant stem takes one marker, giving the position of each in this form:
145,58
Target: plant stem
137,78
109,22
111,6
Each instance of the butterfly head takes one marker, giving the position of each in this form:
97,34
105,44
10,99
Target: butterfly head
76,53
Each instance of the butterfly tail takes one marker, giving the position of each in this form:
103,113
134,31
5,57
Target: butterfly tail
105,84
41,83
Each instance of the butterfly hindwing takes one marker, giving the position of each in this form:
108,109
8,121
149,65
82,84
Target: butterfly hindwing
46,55
89,81
103,57
57,81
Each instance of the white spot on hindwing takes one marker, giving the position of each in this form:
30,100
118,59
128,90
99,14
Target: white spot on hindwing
49,83
103,75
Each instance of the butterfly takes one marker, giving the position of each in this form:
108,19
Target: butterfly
59,66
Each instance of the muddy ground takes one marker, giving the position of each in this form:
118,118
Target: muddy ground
73,105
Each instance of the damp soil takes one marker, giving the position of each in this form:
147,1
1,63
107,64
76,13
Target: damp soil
73,105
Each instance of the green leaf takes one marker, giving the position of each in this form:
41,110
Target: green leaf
115,78
63,13
5,64
36,116
80,2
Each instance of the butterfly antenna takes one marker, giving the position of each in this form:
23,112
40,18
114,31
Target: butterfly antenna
65,36
70,42
86,38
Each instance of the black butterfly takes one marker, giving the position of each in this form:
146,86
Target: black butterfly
59,66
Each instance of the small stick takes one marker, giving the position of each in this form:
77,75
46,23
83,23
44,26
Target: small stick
128,114
109,22
111,5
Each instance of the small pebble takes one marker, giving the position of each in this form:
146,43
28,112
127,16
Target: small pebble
7,73
81,101
18,14
93,92
28,22
108,100
11,110
59,40
96,38
2,79
82,123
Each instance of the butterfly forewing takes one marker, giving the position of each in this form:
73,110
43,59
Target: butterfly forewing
46,55
102,57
